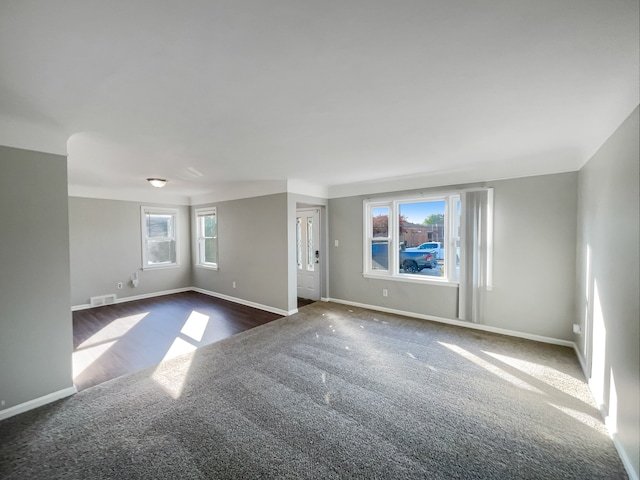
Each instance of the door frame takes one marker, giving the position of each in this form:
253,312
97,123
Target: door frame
301,202
317,211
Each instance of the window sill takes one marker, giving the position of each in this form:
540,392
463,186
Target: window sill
160,267
407,279
207,267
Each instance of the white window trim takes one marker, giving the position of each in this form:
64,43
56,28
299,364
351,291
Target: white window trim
369,205
144,210
393,273
410,279
206,267
199,263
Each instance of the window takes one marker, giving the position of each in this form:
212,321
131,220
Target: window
299,243
207,237
159,233
440,238
305,234
379,237
413,239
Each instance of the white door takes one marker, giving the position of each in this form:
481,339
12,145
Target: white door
308,253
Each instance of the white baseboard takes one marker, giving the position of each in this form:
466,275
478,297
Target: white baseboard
581,360
626,461
460,323
85,306
248,303
622,453
241,301
37,402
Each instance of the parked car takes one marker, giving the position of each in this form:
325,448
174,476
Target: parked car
437,246
415,259
411,259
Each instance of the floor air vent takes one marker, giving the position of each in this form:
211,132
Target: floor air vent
103,300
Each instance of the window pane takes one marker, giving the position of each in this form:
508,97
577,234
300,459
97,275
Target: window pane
310,254
422,238
207,237
159,226
299,243
160,252
380,222
159,237
379,255
210,250
210,226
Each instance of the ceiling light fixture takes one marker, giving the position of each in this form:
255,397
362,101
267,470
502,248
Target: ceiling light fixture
157,182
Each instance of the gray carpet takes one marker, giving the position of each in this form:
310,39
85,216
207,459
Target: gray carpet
331,392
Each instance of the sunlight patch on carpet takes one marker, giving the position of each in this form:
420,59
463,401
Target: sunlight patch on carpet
585,418
171,377
518,382
550,376
177,348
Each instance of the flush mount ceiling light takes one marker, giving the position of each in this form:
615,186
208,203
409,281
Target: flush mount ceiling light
157,182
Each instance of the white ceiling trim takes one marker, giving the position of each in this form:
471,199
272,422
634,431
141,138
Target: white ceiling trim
239,190
26,135
307,188
152,195
486,173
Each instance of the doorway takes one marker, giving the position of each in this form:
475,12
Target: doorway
308,253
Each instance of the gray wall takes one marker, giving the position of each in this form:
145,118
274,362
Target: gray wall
35,317
534,259
534,255
105,240
608,282
252,251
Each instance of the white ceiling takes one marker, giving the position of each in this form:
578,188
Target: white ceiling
220,95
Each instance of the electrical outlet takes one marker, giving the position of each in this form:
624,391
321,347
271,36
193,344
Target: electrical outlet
119,285
337,243
234,284
385,292
2,403
576,328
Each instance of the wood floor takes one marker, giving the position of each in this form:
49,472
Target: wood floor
114,340
304,301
